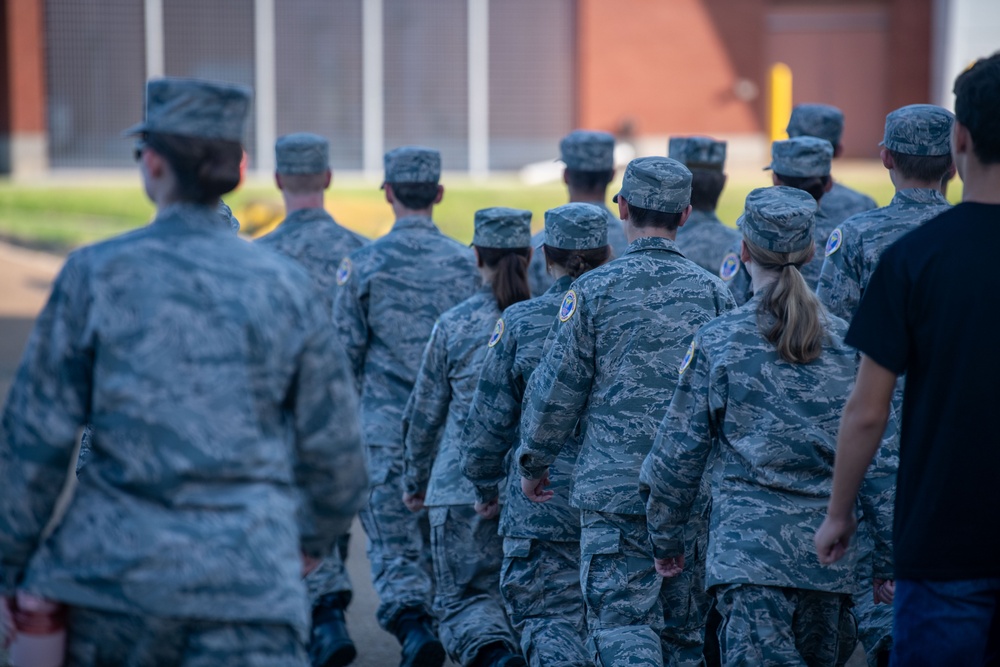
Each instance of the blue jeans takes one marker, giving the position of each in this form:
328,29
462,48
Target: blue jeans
946,622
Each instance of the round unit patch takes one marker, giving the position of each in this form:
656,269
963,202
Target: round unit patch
687,359
833,243
344,271
497,332
730,265
568,306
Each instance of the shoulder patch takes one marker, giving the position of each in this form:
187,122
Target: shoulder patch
568,306
687,359
497,333
833,243
344,271
730,266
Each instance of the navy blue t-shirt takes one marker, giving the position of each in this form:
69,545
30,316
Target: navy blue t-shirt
932,311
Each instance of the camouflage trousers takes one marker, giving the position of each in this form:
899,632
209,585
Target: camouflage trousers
398,540
106,639
635,616
467,554
331,575
540,585
874,627
767,625
874,621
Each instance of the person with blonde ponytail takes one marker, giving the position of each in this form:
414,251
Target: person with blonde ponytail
760,395
466,548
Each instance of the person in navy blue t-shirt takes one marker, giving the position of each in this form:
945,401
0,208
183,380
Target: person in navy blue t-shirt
926,314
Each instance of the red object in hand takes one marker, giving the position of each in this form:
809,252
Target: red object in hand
40,627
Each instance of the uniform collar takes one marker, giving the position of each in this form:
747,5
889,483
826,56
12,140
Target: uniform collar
647,243
415,222
561,285
308,215
920,196
697,217
186,215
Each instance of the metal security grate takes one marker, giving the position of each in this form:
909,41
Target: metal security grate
211,40
426,77
529,114
95,76
318,70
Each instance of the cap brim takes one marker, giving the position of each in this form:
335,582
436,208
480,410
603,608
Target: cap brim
138,128
615,198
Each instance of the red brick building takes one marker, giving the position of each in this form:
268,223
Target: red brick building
493,83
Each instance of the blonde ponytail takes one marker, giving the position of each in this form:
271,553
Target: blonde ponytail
790,315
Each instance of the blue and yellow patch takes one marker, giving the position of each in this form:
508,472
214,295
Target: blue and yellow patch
833,243
497,332
687,359
344,271
730,266
568,306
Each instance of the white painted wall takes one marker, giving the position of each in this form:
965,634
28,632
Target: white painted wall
964,30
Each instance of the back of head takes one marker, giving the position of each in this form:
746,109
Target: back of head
778,225
803,163
576,237
197,127
302,160
657,191
502,238
413,172
817,120
918,137
589,157
977,107
706,158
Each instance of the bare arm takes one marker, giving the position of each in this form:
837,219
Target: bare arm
861,429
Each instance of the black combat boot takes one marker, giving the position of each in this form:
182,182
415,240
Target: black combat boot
415,631
498,654
329,643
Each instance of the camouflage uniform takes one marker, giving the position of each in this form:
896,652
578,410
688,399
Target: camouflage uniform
226,214
103,639
225,438
853,250
852,253
311,237
466,548
804,157
622,326
581,150
391,293
773,468
827,122
540,576
703,239
88,331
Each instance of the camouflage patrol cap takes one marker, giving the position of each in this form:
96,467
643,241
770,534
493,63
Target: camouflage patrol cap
816,120
501,227
302,153
576,226
412,164
919,129
779,218
698,152
801,157
586,150
226,214
656,183
195,108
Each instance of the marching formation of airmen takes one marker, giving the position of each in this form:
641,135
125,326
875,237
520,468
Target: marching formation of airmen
610,443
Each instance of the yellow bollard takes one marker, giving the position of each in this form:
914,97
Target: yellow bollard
780,101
